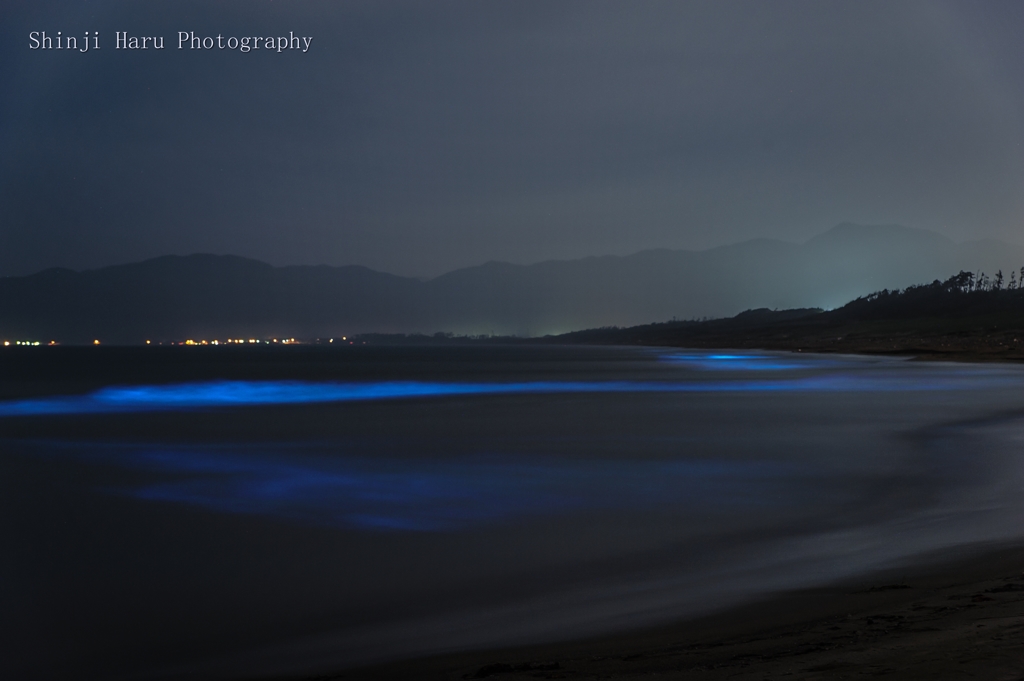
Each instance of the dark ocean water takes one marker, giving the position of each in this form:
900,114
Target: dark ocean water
230,514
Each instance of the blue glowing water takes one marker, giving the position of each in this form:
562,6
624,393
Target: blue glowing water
744,362
411,502
303,485
140,398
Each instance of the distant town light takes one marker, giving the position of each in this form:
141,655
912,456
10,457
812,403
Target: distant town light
7,342
95,342
147,342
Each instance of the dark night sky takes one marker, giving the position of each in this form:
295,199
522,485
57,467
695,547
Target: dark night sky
419,137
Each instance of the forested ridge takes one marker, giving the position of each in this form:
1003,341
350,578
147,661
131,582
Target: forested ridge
969,315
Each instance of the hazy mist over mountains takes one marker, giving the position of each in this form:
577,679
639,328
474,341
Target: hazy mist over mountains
208,296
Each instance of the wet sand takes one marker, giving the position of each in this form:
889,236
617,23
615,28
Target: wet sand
951,616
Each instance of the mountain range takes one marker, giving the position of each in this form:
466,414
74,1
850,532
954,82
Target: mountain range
222,296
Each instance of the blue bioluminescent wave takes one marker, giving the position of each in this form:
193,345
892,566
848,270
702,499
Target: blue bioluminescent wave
304,485
256,393
741,362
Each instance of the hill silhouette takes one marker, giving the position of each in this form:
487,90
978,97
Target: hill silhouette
220,296
966,315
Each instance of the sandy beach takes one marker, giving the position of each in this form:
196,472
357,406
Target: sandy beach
950,616
147,543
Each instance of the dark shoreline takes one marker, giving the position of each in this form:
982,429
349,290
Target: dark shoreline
943,616
977,345
948,615
926,631
942,320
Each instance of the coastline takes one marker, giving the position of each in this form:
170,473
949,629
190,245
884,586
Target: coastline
952,352
814,633
864,327
949,615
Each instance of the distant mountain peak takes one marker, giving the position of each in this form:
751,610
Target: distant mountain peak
854,232
225,296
